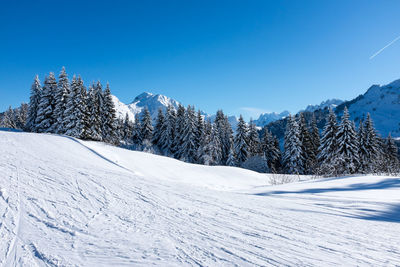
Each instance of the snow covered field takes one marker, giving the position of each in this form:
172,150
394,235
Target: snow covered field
65,202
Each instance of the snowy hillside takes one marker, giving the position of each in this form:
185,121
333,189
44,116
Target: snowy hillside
65,202
383,103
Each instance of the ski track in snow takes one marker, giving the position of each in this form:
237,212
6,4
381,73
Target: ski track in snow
71,203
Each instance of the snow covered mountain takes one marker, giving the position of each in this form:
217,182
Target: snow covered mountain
153,103
122,109
266,118
67,202
149,100
382,102
330,103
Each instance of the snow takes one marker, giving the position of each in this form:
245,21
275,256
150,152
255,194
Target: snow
121,109
149,100
383,103
66,202
153,103
330,103
266,118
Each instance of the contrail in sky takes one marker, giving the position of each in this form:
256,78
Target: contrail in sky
389,44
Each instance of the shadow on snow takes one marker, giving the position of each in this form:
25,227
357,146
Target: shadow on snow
385,184
391,213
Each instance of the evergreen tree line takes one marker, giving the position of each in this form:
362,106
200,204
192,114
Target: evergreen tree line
341,149
184,134
65,107
14,118
68,108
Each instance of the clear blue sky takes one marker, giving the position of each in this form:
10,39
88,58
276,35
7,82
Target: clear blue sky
241,56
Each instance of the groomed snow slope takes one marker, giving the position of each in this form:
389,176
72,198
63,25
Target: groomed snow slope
65,202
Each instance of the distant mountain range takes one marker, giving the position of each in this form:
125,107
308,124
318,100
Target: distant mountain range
330,103
382,102
266,118
156,101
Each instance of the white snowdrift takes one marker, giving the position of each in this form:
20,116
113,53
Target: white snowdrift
156,167
65,202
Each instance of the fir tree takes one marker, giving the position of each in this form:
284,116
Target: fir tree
328,147
241,141
227,141
188,148
60,96
270,150
293,155
94,109
127,129
362,151
199,133
82,112
119,131
277,155
159,128
391,153
167,137
203,152
179,127
21,115
71,110
216,146
108,117
75,116
8,120
213,149
231,161
371,144
136,132
315,138
347,146
307,146
33,105
146,130
45,113
253,140
225,134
